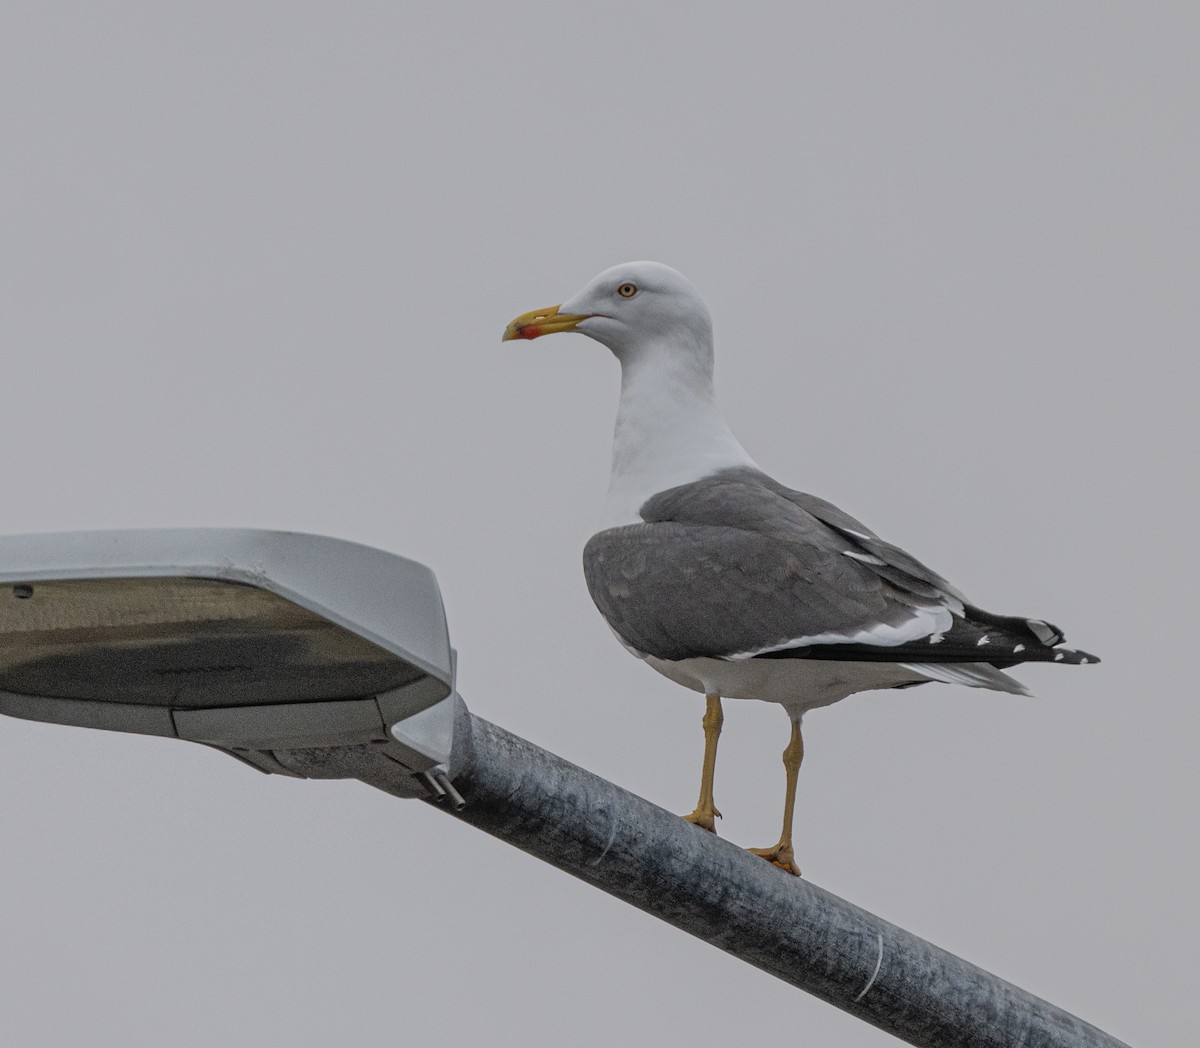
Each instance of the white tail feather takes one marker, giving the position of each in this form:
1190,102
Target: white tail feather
972,674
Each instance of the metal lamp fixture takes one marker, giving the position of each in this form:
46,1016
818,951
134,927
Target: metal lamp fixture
255,642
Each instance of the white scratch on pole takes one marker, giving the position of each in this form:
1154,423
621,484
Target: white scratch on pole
612,836
871,981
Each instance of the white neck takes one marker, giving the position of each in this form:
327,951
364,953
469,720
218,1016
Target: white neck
668,432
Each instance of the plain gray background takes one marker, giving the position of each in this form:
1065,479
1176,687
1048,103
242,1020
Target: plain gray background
257,259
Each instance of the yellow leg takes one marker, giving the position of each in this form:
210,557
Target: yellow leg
782,855
706,813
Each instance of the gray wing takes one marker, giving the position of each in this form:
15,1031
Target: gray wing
738,565
735,564
899,567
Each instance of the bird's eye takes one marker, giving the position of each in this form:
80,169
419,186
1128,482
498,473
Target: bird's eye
627,290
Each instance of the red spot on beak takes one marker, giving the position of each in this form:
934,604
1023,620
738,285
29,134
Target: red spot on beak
530,331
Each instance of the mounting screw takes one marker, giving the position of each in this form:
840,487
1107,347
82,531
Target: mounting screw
455,798
432,785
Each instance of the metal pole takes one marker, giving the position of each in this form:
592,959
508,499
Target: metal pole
787,926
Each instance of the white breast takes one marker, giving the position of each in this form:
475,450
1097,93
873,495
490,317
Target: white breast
668,432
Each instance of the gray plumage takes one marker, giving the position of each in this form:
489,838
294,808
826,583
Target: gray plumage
736,563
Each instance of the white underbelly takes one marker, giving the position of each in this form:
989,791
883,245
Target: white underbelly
798,684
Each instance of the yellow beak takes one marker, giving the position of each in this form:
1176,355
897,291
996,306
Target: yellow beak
546,321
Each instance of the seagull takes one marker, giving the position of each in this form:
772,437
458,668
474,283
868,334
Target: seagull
731,584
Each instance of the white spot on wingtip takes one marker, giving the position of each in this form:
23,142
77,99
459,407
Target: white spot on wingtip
982,641
1058,656
1042,631
1019,647
937,638
1084,662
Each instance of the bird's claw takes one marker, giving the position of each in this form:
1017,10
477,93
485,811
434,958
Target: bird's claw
780,855
705,818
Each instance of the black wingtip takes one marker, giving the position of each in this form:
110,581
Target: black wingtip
1073,657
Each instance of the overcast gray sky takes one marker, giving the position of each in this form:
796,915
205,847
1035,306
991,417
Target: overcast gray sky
256,263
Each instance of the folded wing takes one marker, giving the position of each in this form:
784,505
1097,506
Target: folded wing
737,566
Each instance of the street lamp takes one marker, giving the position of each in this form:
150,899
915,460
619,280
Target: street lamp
255,642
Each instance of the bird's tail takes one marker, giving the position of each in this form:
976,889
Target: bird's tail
972,674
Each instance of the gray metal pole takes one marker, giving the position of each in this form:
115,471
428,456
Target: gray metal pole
713,890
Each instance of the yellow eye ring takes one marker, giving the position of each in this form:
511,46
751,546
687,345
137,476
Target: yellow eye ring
627,290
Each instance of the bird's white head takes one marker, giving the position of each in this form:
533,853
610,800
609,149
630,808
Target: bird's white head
634,308
668,431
